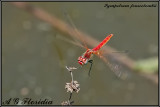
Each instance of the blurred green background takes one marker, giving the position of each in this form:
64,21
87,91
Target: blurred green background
34,59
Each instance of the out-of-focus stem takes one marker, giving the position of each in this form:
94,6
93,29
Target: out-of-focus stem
69,31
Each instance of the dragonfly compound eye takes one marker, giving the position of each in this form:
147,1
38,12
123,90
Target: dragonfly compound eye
80,62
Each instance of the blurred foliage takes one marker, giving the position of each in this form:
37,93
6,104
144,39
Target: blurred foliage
149,65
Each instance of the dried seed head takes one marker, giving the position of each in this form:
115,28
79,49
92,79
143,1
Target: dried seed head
71,68
73,86
67,102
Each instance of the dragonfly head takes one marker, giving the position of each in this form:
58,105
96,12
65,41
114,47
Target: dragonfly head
80,60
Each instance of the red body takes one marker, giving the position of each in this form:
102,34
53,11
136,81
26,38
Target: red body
88,54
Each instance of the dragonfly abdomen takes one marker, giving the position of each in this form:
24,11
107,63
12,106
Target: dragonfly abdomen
103,42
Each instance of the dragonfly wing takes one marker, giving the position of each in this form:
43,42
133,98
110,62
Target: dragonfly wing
75,29
114,66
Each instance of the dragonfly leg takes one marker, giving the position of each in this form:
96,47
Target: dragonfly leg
90,61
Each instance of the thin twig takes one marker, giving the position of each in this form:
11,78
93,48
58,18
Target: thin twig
70,96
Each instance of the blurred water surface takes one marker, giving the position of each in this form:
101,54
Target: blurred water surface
34,59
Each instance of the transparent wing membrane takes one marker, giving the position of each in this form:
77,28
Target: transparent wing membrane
116,67
75,28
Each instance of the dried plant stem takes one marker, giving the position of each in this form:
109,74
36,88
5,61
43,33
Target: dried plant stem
71,87
71,76
70,96
72,84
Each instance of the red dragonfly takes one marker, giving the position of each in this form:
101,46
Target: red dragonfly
85,58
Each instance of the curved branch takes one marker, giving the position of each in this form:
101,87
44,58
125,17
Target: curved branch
69,31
